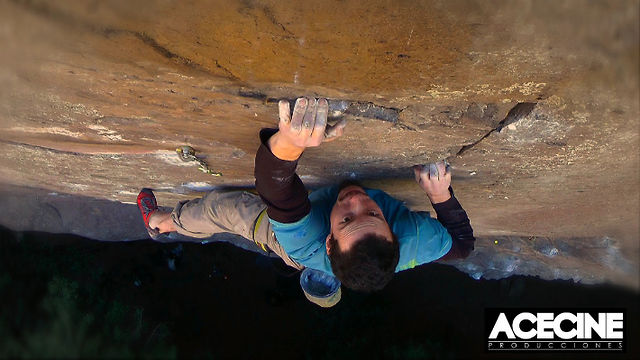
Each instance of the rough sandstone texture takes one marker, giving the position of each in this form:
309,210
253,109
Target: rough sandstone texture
96,96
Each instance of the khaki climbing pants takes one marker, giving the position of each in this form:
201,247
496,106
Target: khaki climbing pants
237,212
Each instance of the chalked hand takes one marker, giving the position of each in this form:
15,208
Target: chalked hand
305,127
434,179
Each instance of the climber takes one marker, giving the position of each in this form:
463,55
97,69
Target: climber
361,236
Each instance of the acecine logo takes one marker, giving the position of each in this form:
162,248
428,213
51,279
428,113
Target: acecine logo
555,330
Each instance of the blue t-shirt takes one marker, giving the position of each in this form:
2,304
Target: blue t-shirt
422,239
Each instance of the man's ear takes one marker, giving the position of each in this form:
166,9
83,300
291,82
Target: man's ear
327,244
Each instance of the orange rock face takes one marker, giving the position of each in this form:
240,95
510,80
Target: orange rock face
96,97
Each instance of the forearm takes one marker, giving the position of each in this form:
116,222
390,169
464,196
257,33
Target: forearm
277,182
453,217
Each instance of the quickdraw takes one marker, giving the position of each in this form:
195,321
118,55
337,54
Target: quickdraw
187,153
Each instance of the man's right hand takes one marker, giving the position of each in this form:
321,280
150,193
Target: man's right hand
306,128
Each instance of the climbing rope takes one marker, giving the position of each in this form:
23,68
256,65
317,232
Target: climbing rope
187,153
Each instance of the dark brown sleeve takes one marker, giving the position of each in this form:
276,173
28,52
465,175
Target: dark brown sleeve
453,217
278,184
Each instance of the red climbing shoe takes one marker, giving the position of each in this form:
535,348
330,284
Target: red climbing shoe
147,205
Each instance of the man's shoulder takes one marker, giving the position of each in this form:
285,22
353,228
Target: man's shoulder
391,207
324,195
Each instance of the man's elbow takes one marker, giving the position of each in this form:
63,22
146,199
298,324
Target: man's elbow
465,252
461,249
457,253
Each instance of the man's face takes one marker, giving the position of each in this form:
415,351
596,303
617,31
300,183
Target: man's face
354,215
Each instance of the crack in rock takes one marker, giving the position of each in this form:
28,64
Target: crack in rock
337,107
165,52
516,113
373,111
266,11
44,148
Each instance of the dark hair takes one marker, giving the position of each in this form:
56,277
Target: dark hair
369,265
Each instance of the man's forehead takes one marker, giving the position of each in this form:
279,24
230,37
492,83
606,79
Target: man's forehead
364,223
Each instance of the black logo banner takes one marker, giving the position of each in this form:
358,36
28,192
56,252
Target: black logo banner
555,330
